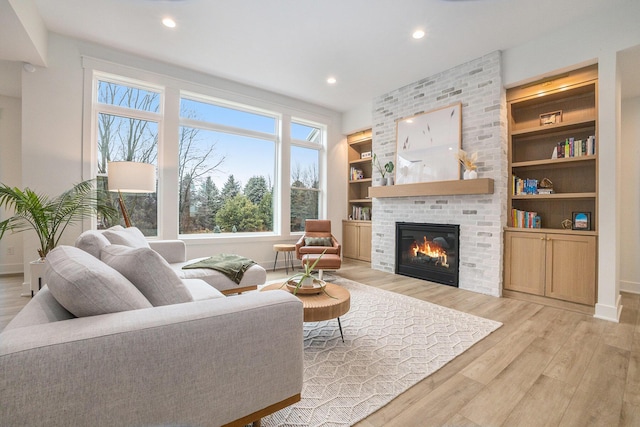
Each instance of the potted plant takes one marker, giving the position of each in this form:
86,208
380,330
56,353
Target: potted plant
469,164
387,168
49,217
306,279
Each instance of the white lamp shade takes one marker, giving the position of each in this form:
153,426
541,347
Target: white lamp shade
131,177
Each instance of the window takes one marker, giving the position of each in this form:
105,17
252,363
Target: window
226,168
306,146
128,120
219,155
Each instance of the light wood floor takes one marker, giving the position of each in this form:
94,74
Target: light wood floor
543,367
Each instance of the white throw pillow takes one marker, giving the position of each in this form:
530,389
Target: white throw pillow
149,272
92,241
85,286
131,237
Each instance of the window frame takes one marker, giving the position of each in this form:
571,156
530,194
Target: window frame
319,146
276,138
98,108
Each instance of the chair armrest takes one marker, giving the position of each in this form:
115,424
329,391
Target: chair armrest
171,250
198,363
299,244
336,244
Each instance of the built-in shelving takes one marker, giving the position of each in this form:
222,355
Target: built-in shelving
554,262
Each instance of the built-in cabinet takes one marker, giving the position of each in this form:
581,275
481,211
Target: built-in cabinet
356,231
551,238
356,240
554,265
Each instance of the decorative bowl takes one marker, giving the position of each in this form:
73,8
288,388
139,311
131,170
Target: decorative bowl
318,286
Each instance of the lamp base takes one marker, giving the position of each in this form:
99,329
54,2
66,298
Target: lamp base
123,208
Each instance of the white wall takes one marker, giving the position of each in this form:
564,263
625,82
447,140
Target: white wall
10,174
630,196
52,136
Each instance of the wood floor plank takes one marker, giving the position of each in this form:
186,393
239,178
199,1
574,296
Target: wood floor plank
571,361
630,416
598,398
543,405
493,405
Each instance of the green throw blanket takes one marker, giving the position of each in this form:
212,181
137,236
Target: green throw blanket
232,266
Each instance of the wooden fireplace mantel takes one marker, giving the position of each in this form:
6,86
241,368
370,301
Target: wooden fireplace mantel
438,188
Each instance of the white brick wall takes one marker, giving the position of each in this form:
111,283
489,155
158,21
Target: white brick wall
478,86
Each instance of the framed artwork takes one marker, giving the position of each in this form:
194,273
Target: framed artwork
581,221
551,118
427,146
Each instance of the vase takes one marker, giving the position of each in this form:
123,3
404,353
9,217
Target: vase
390,180
307,282
470,174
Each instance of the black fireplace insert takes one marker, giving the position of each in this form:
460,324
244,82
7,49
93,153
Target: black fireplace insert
428,251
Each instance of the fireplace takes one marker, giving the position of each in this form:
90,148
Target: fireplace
428,251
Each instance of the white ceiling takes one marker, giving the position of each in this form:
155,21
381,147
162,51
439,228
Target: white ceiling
292,46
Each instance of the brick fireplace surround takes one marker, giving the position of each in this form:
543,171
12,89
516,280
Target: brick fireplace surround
478,86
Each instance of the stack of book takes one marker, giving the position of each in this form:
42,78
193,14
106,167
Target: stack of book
571,147
361,213
524,219
523,186
356,174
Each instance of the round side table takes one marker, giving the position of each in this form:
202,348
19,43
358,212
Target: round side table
288,255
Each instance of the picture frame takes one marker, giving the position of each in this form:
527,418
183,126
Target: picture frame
551,118
427,146
365,155
581,221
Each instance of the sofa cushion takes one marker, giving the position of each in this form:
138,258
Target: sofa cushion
149,272
318,241
131,237
201,290
92,241
85,286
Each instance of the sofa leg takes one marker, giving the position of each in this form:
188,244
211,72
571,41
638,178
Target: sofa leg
320,274
256,423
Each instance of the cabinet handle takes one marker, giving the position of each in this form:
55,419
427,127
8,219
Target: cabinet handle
542,238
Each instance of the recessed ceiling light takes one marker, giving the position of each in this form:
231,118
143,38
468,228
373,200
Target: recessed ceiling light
418,34
331,80
168,22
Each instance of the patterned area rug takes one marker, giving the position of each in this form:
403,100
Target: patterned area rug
392,342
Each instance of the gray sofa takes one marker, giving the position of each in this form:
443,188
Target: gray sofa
209,362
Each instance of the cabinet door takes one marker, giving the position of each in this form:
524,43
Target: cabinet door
524,262
350,243
365,242
571,268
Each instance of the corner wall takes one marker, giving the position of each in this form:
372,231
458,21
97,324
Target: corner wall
478,86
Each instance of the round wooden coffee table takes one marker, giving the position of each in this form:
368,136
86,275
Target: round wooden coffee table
321,306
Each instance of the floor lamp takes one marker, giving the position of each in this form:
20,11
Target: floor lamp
130,177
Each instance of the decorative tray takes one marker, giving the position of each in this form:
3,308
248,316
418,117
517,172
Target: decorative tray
318,286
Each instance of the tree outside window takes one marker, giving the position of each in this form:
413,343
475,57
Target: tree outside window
128,121
305,181
226,165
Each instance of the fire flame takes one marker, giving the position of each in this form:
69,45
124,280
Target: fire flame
430,249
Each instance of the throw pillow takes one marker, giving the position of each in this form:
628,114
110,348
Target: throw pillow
131,237
149,272
318,241
85,286
92,241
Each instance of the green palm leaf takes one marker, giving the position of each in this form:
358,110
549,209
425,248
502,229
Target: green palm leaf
48,217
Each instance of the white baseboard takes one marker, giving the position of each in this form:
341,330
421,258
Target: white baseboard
608,312
11,269
632,287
